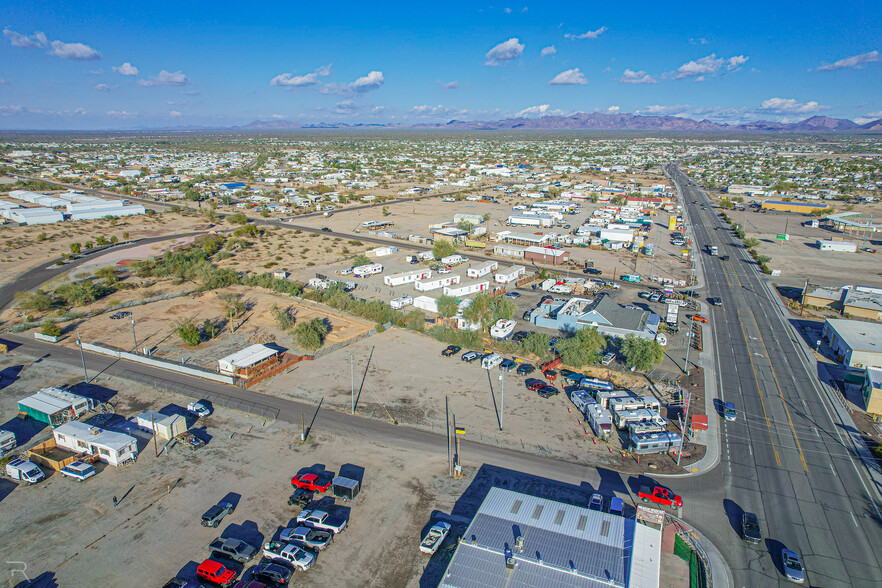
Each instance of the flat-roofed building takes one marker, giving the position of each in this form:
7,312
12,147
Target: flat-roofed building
856,344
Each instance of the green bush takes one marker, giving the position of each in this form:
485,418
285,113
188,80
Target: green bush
189,333
310,335
642,354
50,329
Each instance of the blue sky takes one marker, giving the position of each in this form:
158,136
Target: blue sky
75,65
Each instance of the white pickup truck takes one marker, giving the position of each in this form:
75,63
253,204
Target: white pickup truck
435,537
319,519
289,554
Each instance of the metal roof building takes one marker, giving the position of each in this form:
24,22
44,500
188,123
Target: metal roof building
246,358
516,540
856,344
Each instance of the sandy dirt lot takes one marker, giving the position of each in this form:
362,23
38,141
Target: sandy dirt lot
70,533
387,387
799,259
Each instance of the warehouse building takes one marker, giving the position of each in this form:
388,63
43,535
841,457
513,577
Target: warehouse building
850,300
520,541
33,216
532,220
794,206
871,390
855,344
546,255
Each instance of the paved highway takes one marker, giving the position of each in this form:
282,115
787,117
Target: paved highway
787,456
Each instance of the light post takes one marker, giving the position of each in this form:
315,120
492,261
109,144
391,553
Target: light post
352,381
134,338
502,402
689,343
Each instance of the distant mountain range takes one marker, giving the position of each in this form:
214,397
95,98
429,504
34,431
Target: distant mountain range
595,122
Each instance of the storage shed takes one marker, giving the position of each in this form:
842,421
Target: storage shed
241,362
167,426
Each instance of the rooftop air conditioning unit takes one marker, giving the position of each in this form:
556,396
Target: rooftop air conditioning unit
519,542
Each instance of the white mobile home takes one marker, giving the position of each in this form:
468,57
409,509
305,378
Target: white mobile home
407,277
482,270
465,290
364,271
401,302
111,447
437,283
510,275
426,303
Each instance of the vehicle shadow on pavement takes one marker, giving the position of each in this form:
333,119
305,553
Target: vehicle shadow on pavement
44,580
9,375
248,532
734,514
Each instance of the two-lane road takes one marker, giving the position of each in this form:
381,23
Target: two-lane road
787,456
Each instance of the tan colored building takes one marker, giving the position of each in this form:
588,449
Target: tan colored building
794,206
872,392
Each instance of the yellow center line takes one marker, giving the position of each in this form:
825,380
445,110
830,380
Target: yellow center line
759,391
780,393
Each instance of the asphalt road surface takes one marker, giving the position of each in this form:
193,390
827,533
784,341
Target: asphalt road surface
786,457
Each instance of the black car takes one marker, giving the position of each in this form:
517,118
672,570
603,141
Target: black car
527,314
520,336
750,528
716,301
326,229
548,391
301,497
591,271
270,572
451,349
525,369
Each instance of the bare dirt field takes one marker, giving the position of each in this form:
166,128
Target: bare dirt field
799,258
386,386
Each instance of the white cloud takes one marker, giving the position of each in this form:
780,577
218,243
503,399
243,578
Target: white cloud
310,79
613,109
7,110
637,77
505,51
854,62
698,41
102,88
587,35
345,107
121,113
439,111
550,50
3,82
74,51
693,69
789,106
126,69
569,77
450,85
166,78
36,41
658,109
735,62
372,81
533,111
508,10
192,92
379,109
174,114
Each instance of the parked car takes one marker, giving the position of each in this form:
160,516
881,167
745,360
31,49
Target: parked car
214,515
346,272
507,365
659,495
235,549
512,295
289,554
699,318
215,572
533,384
608,358
450,350
311,482
307,537
319,519
591,271
655,297
301,497
548,391
434,538
792,566
200,408
470,356
645,295
527,314
444,270
273,573
78,470
596,501
750,528
24,471
520,336
525,369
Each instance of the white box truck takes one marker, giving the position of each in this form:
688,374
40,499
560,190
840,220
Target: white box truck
24,471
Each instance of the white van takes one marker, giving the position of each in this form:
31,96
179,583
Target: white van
24,471
78,471
490,361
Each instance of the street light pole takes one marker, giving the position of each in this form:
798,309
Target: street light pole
82,356
133,337
502,402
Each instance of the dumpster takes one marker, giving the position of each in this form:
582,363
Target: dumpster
345,488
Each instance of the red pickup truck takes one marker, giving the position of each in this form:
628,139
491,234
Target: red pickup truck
311,482
216,573
660,495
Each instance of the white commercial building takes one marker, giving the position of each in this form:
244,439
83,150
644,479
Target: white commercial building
109,446
465,290
510,275
437,283
96,213
33,216
617,235
530,220
407,277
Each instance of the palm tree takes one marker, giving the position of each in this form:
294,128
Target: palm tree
448,306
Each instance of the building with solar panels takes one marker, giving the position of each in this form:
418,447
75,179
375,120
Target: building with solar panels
522,541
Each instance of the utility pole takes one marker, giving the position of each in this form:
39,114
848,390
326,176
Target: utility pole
447,429
502,403
133,336
689,336
153,428
683,426
83,357
352,380
302,427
